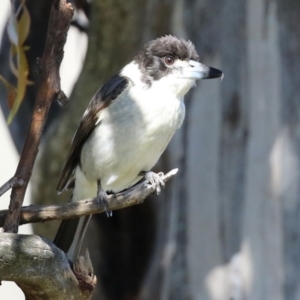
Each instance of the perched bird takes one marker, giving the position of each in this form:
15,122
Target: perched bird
127,126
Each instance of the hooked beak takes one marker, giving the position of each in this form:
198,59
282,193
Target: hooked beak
196,70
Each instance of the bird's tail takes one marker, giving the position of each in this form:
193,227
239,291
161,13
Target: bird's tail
71,232
70,236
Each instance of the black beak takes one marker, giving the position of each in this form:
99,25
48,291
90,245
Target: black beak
213,73
196,70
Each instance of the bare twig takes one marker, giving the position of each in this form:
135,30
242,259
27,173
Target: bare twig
13,182
42,213
62,98
47,91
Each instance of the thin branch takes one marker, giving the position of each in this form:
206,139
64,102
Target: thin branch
42,213
48,88
13,182
62,98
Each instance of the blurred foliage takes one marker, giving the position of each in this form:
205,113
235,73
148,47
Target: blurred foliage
18,29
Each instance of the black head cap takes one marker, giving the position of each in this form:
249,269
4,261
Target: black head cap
150,59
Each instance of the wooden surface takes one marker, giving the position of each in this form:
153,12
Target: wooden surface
40,269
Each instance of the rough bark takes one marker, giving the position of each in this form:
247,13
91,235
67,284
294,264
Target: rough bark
42,213
40,269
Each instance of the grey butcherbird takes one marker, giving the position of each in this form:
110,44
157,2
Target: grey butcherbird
128,125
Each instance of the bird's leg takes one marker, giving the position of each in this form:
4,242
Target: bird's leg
154,179
102,197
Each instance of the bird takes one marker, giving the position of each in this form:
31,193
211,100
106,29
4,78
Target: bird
127,126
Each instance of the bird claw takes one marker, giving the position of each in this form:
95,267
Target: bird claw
156,180
102,198
108,213
104,203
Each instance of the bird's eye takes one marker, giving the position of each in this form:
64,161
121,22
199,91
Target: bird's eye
169,60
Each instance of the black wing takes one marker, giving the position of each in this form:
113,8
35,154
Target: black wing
102,99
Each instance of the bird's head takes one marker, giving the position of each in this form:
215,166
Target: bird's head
174,63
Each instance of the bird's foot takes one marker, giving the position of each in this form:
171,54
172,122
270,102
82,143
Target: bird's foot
102,198
154,179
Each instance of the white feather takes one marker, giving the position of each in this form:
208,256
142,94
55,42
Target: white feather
132,132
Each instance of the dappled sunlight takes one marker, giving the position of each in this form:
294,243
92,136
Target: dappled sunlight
233,280
284,166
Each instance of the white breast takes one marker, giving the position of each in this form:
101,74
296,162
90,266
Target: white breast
131,135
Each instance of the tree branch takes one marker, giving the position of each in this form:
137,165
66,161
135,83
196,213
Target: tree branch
42,213
47,91
13,182
42,270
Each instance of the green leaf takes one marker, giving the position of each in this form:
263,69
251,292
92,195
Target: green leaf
22,83
23,26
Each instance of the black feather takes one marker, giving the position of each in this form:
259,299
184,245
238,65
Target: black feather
103,98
